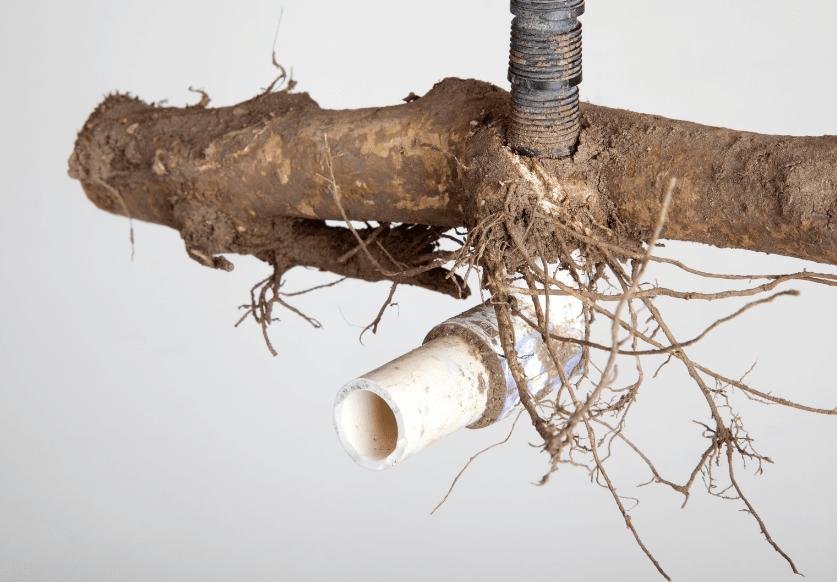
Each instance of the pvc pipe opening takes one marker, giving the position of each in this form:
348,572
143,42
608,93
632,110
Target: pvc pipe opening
369,424
456,379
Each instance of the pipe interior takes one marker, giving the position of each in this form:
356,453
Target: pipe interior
369,425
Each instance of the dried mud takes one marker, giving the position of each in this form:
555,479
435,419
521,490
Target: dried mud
251,178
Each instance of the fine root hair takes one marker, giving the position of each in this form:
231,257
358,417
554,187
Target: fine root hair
524,239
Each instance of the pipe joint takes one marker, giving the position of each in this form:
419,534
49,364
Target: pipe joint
458,378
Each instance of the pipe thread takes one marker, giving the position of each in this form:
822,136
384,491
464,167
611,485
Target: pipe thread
544,71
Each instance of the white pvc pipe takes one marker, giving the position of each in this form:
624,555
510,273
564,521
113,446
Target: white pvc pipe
400,408
458,378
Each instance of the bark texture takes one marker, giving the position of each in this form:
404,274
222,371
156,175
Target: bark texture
775,194
245,178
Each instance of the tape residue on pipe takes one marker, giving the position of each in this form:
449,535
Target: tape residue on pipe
458,377
480,324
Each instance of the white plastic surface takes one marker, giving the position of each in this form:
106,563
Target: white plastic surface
411,402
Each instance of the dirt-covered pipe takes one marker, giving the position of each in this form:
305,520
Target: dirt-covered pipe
458,378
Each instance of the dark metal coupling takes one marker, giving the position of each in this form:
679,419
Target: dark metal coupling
544,71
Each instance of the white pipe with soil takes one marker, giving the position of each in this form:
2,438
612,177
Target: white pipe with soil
458,378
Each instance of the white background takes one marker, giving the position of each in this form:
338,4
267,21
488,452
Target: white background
142,437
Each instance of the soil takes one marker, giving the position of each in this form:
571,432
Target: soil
253,178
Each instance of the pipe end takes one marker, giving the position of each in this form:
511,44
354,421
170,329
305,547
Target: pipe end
369,424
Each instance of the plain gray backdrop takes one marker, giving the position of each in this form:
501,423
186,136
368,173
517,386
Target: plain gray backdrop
142,437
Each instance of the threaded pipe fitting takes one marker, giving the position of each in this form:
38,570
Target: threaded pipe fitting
544,71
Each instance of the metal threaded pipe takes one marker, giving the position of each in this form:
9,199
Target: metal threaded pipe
544,71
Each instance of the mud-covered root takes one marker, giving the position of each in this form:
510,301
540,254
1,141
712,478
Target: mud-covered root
267,293
533,223
543,201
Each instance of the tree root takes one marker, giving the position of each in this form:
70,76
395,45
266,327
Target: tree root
261,178
512,231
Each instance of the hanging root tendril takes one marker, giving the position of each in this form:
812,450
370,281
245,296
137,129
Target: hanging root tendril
532,229
535,238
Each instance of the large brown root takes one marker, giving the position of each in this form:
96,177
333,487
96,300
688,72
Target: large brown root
416,163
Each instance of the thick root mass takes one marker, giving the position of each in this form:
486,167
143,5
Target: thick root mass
263,177
531,224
